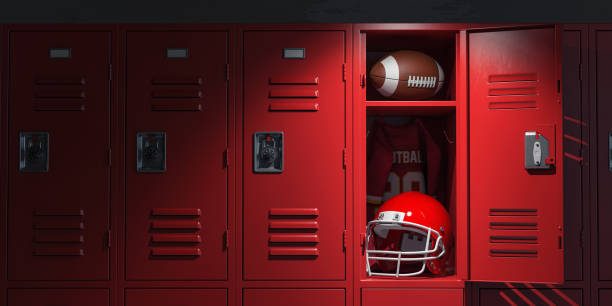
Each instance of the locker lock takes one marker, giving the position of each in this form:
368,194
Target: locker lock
268,152
537,151
34,152
151,152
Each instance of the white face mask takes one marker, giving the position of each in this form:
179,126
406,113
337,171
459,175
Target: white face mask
418,243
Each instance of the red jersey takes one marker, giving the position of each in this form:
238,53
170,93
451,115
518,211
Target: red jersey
400,159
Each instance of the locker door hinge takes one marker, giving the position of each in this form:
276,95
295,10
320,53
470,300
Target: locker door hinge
362,243
108,239
227,239
345,157
226,158
110,72
362,83
344,71
345,240
581,237
110,157
227,72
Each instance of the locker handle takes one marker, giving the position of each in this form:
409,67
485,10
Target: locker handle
167,80
294,93
293,81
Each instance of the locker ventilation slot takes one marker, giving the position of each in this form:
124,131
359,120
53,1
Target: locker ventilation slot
293,233
175,232
513,233
513,91
177,94
59,93
58,232
284,91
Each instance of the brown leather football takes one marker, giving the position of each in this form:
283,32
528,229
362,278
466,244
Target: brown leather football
407,75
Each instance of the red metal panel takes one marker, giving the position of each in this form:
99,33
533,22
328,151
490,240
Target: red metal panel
314,176
430,297
575,175
530,296
603,96
294,297
72,198
54,297
498,178
190,197
172,297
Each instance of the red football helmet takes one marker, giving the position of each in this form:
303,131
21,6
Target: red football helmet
411,229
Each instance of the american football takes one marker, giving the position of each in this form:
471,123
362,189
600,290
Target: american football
407,75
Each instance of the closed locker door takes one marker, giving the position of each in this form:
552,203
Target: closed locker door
176,136
295,297
294,180
171,297
516,169
55,297
59,174
601,53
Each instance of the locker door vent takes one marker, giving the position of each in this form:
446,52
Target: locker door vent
284,91
175,232
513,232
513,91
177,93
293,233
58,232
59,93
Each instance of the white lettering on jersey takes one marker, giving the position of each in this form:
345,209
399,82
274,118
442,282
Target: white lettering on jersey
407,157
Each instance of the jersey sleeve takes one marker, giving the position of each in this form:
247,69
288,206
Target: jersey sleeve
380,158
433,159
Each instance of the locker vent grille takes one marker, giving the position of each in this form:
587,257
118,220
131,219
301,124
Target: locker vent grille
513,232
513,91
293,233
288,93
175,232
58,232
176,93
55,93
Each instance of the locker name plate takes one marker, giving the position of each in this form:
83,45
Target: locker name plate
60,53
151,152
34,152
294,53
268,152
536,151
177,53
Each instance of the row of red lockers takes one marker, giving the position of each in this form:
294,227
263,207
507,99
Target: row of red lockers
177,174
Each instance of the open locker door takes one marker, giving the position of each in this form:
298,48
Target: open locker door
516,183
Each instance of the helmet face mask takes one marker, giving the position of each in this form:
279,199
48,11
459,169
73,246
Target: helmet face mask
414,244
411,234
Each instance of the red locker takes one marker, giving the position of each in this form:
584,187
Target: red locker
171,297
516,219
294,197
176,140
429,297
294,297
55,297
531,296
602,54
59,143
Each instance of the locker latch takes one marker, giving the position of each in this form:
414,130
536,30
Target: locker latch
537,154
268,152
34,152
151,152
